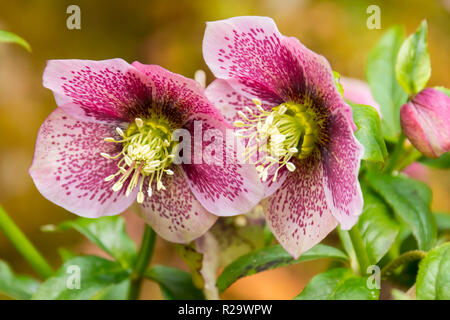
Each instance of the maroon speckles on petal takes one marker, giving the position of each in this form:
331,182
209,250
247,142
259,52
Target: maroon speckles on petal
341,161
257,57
109,90
174,213
221,184
298,213
176,97
68,169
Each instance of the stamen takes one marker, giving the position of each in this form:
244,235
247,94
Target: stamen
147,151
288,130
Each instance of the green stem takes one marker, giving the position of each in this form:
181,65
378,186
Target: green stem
396,155
360,250
142,262
401,260
24,246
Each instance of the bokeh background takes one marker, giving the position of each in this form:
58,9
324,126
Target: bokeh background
170,33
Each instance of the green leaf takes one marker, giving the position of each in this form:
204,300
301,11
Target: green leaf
443,162
380,73
175,284
109,234
413,61
442,221
10,37
377,225
338,284
95,275
369,133
114,292
410,201
444,90
270,258
15,286
433,279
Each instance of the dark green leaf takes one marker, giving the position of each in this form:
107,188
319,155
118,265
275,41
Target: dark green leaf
383,82
338,284
95,275
6,36
175,284
410,201
369,133
15,286
433,279
377,225
413,61
109,234
270,258
443,162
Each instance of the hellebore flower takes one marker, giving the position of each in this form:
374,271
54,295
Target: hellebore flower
112,141
281,94
425,120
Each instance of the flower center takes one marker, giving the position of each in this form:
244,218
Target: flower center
288,130
147,151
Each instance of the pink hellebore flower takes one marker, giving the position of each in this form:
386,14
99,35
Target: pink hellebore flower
425,120
311,171
110,142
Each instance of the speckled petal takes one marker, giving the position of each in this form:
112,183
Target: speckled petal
220,181
174,213
69,171
222,94
298,213
426,122
320,85
341,162
97,90
179,97
250,50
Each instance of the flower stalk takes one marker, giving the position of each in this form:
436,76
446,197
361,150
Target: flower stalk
142,262
24,246
360,249
396,155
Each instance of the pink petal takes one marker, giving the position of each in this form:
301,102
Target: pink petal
250,50
358,92
268,65
222,184
320,85
341,161
174,213
69,171
229,101
97,90
298,213
425,122
222,94
179,96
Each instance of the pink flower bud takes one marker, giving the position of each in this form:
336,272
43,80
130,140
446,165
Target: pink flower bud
425,121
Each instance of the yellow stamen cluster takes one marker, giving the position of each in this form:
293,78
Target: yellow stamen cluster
286,131
147,151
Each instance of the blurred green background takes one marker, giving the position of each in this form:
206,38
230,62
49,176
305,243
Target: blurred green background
170,33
